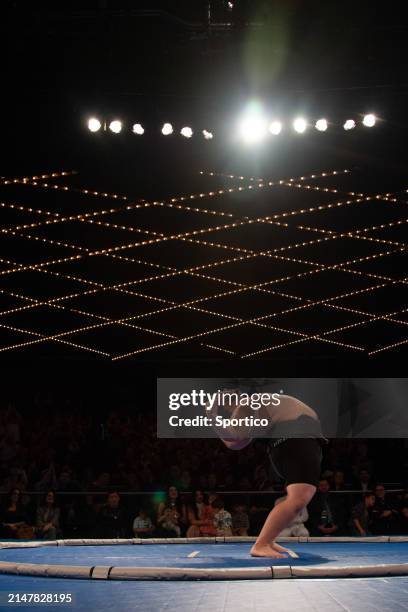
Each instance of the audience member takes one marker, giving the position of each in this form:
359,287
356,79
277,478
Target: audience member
13,518
362,516
111,520
142,525
385,514
325,515
240,520
48,519
222,518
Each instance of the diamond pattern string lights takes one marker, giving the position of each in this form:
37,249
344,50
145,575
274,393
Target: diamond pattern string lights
211,304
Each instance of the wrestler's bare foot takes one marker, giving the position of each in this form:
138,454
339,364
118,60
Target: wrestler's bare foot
267,550
280,548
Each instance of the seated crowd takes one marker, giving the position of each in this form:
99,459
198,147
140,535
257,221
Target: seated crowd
330,513
102,480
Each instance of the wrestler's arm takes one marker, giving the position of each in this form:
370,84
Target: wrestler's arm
289,409
232,443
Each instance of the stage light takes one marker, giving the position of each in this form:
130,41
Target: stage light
321,125
349,124
94,124
369,120
167,129
275,128
138,129
299,125
253,127
115,126
207,135
187,132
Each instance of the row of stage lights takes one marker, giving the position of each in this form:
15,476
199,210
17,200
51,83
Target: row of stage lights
252,128
116,126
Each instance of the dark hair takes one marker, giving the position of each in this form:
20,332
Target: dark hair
113,493
46,495
177,503
218,503
10,495
193,505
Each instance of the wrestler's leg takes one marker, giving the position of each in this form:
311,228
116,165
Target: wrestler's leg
299,495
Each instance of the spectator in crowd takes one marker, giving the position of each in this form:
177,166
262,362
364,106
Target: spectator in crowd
48,518
297,527
195,514
339,481
240,520
179,511
222,518
207,527
111,521
361,516
13,518
169,523
326,516
142,525
385,514
363,481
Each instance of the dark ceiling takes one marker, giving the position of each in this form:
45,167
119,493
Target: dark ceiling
159,61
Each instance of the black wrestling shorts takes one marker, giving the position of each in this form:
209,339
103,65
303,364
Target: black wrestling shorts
297,460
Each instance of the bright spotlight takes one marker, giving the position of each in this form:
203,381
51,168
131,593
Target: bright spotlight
115,126
349,124
94,125
253,128
167,129
187,132
321,125
369,120
138,129
275,128
207,135
299,125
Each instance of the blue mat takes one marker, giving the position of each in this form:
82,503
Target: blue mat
210,555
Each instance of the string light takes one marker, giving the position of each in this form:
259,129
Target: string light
43,338
221,246
28,179
211,297
292,211
302,210
389,346
84,313
333,331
